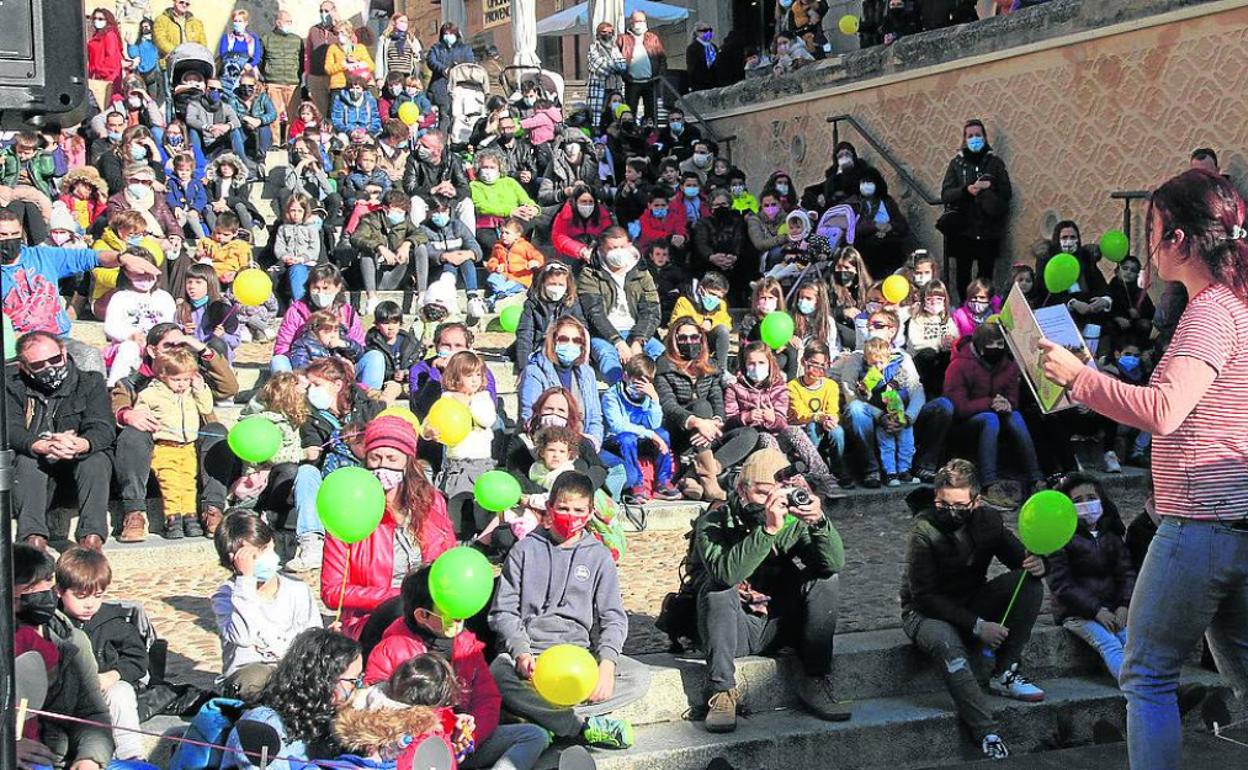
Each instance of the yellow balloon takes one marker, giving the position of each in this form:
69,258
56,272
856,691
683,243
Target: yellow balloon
404,414
848,24
252,287
896,288
450,420
409,113
565,674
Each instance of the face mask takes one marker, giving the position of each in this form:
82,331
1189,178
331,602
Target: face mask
867,189
134,240
36,609
710,302
100,23
844,162
135,102
689,350
922,280
423,152
771,211
49,378
10,248
977,306
872,307
1089,511
701,159
59,237
658,213
676,127
706,36
949,521
246,91
553,421
136,190
395,217
319,398
633,393
323,299
488,175
606,37
114,136
214,97
287,29
768,304
1069,245
143,284
805,306
992,355
975,144
389,477
881,334
566,526
138,151
174,140
529,101
567,353
200,302
440,220
934,306
692,192
758,372
556,293
782,188
506,138
239,27
586,211
266,566
573,151
639,28
326,19
723,212
618,259
449,40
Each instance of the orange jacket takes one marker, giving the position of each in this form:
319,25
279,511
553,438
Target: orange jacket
514,262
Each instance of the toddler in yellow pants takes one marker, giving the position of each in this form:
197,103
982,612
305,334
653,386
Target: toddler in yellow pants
181,402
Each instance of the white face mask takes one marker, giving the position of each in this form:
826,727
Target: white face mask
389,477
867,189
488,175
586,211
619,259
556,293
319,398
639,28
758,372
1069,245
922,280
323,299
768,304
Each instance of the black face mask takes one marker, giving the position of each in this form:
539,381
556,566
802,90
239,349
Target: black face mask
847,278
753,513
36,609
246,91
948,521
689,350
723,212
10,248
48,378
992,355
606,37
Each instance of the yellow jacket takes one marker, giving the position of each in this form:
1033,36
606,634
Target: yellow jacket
168,33
807,403
226,258
180,415
104,279
684,307
336,63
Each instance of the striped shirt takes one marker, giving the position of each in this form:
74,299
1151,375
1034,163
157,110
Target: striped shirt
1200,471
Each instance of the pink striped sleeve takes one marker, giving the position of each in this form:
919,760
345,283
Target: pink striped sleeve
1158,408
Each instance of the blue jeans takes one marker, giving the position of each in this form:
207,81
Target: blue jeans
502,286
607,358
629,444
1194,581
297,279
896,449
307,484
836,437
467,271
280,363
862,417
509,747
989,426
1107,644
370,370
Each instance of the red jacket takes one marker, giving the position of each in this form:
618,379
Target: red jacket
479,694
104,56
371,577
970,383
740,397
568,233
653,228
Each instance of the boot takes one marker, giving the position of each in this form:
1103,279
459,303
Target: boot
690,488
211,519
134,527
708,469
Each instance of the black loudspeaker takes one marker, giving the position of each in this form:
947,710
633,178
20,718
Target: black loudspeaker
43,70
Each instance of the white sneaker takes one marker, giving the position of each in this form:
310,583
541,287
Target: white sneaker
1011,684
368,305
308,555
1111,462
994,748
476,310
244,334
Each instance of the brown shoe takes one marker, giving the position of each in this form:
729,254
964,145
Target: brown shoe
37,541
91,542
134,528
721,715
211,518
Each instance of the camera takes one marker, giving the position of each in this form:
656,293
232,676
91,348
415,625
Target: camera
799,498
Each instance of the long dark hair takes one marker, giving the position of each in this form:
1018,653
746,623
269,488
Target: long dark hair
1211,213
697,367
302,687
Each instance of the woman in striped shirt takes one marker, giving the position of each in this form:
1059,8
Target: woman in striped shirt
1195,577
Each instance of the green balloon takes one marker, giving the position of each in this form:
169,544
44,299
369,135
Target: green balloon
255,440
776,329
1046,522
496,491
509,318
350,503
10,340
461,582
1114,246
1061,273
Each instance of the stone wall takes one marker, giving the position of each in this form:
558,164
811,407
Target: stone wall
1076,109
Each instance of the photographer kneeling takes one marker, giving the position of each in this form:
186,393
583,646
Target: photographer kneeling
771,559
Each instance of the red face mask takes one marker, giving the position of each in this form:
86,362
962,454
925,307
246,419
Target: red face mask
565,525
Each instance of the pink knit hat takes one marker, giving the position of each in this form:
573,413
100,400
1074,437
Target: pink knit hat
392,432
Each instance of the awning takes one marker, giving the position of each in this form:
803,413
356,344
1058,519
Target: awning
575,20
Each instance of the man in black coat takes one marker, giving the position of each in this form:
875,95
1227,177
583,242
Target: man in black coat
60,427
432,171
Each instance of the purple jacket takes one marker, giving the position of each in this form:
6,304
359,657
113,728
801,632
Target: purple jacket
424,371
297,315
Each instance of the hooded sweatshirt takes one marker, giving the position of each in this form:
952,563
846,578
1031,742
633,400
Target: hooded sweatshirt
550,595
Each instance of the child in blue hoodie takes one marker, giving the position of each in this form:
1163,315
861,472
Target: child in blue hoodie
557,585
634,417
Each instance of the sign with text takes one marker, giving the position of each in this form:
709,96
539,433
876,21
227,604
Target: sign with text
495,13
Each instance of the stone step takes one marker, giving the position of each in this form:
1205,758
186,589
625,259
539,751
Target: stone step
898,733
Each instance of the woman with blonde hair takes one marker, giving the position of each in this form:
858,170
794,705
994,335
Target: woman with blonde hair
564,362
398,49
345,59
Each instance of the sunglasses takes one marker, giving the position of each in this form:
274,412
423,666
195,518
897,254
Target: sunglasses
688,338
39,366
144,182
817,366
357,681
564,339
950,508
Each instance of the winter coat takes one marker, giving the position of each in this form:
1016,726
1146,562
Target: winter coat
348,116
116,642
570,233
965,321
201,115
206,319
215,369
1093,572
297,316
352,188
299,241
719,235
74,689
623,415
80,405
849,370
671,281
679,391
561,174
654,47
282,60
655,229
337,70
307,348
104,57
970,383
479,695
375,231
542,125
982,216
541,374
742,400
763,233
261,108
112,168
597,292
421,176
536,316
230,257
685,307
405,353
498,200
454,237
169,32
180,414
866,227
368,566
514,262
190,196
42,170
440,58
253,629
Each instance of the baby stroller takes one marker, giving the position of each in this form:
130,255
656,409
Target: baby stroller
469,85
549,83
837,225
188,57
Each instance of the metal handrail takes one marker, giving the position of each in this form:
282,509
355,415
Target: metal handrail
902,174
1128,197
703,123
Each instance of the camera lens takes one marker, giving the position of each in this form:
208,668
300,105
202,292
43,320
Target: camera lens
799,498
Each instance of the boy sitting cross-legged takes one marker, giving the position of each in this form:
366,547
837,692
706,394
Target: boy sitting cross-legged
528,622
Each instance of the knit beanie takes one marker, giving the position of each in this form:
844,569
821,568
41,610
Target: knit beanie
390,432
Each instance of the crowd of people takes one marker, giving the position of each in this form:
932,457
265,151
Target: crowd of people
623,243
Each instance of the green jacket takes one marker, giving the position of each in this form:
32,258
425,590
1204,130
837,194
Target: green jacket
597,292
374,230
42,170
282,60
498,199
733,549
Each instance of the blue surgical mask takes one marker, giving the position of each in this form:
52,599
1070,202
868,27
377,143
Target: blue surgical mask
314,222
1089,511
805,306
266,566
449,39
136,190
214,97
114,136
676,126
975,144
134,240
692,192
395,217
440,220
567,353
659,213
138,151
239,27
710,302
198,303
782,188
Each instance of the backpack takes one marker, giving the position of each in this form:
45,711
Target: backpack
211,725
678,616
